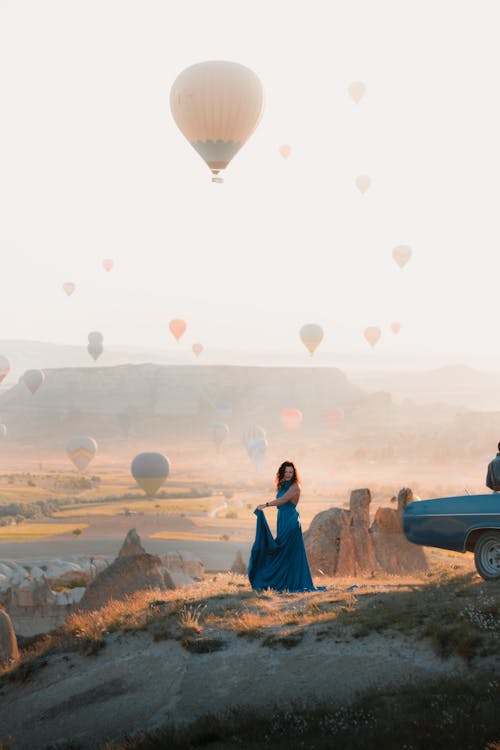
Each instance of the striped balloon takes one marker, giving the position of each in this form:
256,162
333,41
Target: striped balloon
81,450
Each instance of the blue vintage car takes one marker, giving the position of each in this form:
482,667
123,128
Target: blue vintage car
470,523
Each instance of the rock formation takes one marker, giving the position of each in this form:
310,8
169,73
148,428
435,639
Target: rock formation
238,565
342,543
127,574
8,641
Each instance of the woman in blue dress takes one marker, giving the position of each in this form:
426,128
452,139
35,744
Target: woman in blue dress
281,563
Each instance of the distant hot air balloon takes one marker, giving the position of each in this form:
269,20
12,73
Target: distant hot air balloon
69,287
372,335
3,430
357,90
285,151
254,440
177,327
311,336
4,367
108,264
402,254
217,105
334,417
81,450
197,349
95,347
33,379
220,431
395,327
150,471
363,183
291,419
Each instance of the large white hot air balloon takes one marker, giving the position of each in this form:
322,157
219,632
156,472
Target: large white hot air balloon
217,105
311,336
402,254
81,451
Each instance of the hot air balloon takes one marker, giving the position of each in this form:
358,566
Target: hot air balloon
217,105
363,183
177,327
220,431
150,471
3,430
372,335
395,327
197,349
4,367
108,264
69,287
95,347
254,440
291,419
285,151
334,417
357,90
311,336
402,254
33,380
81,451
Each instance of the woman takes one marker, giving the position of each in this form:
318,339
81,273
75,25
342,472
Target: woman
281,563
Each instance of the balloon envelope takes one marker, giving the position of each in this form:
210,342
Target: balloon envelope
363,183
197,349
69,287
3,430
334,417
108,264
291,419
4,367
311,336
81,450
372,335
357,90
95,349
33,379
402,254
395,327
217,105
285,151
150,471
177,327
95,336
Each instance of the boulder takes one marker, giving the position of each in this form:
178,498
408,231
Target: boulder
9,651
183,567
394,553
322,540
132,545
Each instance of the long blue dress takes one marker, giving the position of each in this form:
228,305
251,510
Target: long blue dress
281,563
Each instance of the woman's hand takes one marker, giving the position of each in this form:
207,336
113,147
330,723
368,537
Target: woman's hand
260,507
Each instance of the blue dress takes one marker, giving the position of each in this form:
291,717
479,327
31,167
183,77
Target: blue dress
281,563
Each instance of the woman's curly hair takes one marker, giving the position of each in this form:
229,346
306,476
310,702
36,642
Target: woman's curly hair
280,474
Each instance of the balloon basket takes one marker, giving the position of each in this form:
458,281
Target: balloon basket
219,180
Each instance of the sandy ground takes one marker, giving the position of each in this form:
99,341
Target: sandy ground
136,684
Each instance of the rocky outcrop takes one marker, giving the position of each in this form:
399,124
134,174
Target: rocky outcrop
126,575
342,542
238,565
9,651
183,567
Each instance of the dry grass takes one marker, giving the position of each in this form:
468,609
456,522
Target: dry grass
25,532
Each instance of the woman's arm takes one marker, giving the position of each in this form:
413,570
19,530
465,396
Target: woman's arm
292,494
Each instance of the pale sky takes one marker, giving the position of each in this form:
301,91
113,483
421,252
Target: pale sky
93,166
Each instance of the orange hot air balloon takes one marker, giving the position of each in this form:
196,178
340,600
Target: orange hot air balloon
177,327
291,419
108,264
357,90
69,287
4,367
334,417
372,335
217,105
395,327
311,336
197,349
285,151
402,254
363,183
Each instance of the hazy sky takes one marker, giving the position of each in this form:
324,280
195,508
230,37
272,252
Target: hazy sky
93,166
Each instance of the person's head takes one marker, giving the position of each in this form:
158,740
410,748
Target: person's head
499,447
287,473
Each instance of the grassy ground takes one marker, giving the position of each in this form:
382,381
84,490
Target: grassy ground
25,532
